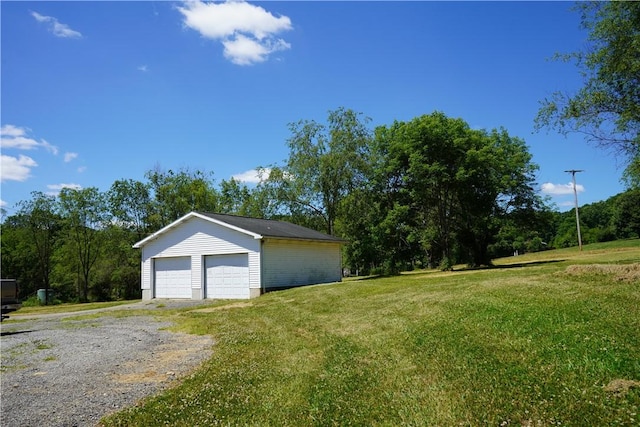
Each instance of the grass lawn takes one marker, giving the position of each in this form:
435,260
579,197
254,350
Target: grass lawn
66,308
542,339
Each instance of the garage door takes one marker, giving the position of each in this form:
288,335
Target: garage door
173,277
227,276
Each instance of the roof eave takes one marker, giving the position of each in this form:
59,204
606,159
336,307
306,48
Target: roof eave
164,229
306,239
188,216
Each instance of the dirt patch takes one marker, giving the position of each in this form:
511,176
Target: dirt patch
163,361
620,387
620,272
222,307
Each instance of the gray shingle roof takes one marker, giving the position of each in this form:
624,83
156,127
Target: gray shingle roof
272,228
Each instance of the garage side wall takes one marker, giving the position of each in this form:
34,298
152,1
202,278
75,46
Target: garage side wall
289,263
198,238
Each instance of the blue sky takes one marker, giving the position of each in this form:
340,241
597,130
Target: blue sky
94,92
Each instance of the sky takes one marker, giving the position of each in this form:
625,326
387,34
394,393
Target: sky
94,92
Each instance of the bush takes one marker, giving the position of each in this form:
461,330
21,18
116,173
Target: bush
33,301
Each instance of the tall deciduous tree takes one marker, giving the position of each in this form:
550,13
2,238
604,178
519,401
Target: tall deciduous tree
43,224
456,184
177,193
130,202
325,163
627,218
607,108
19,259
86,214
234,197
237,198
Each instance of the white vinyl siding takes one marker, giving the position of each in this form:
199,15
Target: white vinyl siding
227,276
195,239
293,263
172,277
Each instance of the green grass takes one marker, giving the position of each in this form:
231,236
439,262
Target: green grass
42,345
531,342
25,348
66,308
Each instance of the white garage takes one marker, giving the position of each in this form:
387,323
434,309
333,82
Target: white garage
206,255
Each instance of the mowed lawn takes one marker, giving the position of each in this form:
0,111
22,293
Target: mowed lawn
542,339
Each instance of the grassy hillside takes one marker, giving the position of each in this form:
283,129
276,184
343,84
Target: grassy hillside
542,339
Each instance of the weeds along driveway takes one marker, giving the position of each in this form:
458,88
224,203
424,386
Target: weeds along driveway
57,370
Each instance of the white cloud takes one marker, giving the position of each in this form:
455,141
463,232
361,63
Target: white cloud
246,31
56,188
58,29
252,176
16,168
143,68
11,131
14,137
18,138
247,51
560,189
82,169
2,203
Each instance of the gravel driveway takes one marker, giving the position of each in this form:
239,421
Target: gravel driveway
57,371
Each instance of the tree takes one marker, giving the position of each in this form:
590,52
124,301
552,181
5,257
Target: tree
130,202
117,276
19,258
607,108
496,182
43,225
457,185
237,198
325,163
627,218
86,215
233,196
175,194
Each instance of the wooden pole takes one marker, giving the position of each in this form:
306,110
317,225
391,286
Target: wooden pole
575,197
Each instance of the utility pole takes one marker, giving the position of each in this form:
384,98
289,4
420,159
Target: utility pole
575,196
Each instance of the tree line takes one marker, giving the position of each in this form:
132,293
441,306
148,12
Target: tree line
430,192
616,218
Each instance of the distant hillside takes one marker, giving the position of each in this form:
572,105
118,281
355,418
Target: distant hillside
616,218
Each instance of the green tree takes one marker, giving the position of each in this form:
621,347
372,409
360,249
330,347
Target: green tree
458,184
233,196
117,275
237,198
358,224
175,194
44,225
129,202
86,216
607,107
496,182
627,217
400,232
325,163
19,257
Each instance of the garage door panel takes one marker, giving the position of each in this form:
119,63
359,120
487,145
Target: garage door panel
227,276
173,277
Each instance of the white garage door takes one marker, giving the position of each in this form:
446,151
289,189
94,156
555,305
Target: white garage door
173,277
228,276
